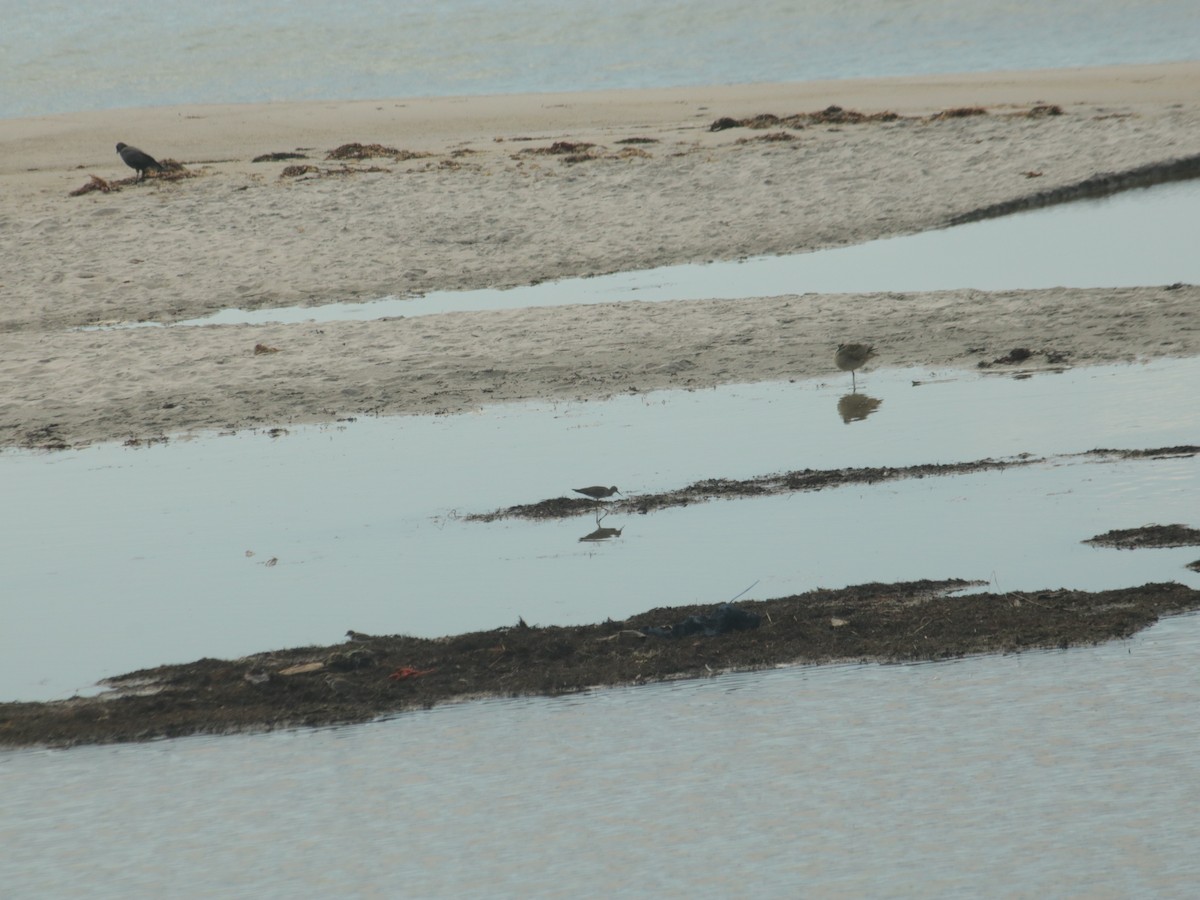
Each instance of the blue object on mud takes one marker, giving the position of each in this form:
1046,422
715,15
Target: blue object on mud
726,618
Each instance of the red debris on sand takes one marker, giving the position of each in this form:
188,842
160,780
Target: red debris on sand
404,672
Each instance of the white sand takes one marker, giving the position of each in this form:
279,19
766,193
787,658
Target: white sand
238,235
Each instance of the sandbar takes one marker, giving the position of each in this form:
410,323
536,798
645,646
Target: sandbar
504,191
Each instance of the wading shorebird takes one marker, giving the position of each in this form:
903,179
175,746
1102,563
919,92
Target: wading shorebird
137,160
850,356
597,491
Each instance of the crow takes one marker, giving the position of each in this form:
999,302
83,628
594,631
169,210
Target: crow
137,160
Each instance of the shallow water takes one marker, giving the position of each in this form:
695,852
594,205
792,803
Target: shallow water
58,56
1139,237
163,551
1045,774
1048,773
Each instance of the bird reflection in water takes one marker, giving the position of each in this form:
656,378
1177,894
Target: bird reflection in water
601,533
856,407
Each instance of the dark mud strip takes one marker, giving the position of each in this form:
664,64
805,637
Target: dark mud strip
727,488
789,482
1148,536
1097,186
371,676
1179,451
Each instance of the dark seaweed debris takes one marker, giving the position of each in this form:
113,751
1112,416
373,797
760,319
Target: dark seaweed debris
1100,185
1148,536
278,157
369,676
723,488
830,115
799,480
369,151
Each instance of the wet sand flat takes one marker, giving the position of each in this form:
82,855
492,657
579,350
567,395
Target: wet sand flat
492,192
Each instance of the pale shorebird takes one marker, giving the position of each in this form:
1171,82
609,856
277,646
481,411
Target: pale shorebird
597,491
850,356
138,160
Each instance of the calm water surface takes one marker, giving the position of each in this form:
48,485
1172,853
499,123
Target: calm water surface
1046,774
149,548
58,56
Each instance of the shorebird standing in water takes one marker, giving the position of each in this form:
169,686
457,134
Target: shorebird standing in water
597,491
850,356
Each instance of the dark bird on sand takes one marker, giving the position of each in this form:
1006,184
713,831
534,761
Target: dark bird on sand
597,491
138,160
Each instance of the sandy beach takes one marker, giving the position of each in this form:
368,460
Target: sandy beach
474,192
